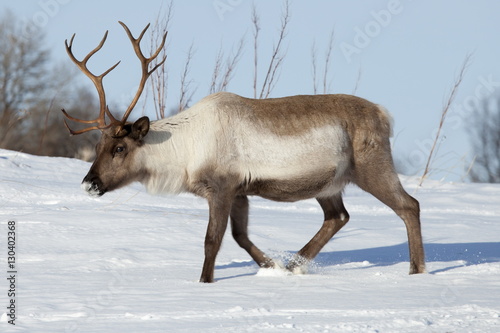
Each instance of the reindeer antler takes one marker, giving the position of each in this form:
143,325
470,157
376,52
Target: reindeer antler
100,121
144,64
97,80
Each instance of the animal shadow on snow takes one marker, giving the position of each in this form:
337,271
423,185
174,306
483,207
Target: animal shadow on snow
468,253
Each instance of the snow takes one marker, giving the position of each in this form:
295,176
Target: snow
130,262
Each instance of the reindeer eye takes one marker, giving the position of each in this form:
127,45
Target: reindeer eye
119,149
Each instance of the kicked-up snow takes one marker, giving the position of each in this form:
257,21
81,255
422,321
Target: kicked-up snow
130,262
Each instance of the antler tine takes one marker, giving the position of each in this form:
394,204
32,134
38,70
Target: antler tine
72,132
97,80
144,64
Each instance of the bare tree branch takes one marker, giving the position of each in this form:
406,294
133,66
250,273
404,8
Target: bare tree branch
276,58
328,54
186,91
217,70
314,58
230,65
444,113
271,83
159,79
314,67
256,29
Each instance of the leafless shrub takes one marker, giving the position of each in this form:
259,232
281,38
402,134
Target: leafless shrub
159,79
326,82
256,30
277,56
314,64
224,69
186,90
444,113
328,54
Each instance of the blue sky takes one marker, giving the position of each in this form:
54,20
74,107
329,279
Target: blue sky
407,52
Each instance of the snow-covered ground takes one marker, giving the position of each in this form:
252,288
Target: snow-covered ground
129,262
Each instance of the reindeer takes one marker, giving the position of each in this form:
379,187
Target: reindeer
227,147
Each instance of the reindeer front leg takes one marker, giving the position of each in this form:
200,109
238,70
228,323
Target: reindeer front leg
219,205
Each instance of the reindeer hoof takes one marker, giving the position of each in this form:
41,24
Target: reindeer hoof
298,265
269,263
417,269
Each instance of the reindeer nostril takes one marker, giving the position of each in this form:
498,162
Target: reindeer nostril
93,186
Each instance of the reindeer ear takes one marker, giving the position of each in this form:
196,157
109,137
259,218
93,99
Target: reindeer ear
140,128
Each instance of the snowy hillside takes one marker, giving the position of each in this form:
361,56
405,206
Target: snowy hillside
129,262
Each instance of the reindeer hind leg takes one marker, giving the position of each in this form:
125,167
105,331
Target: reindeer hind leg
380,179
335,217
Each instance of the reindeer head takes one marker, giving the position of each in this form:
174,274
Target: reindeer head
114,166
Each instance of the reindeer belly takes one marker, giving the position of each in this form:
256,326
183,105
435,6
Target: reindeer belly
298,188
296,168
